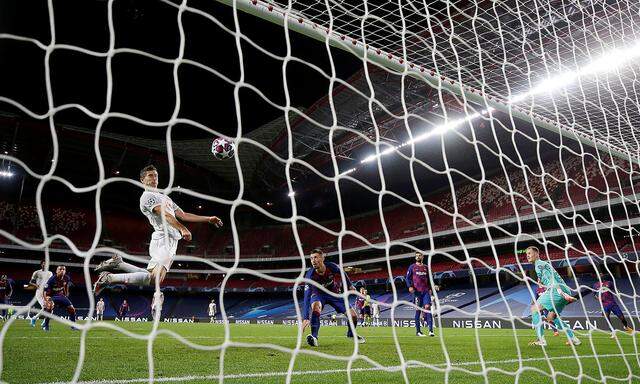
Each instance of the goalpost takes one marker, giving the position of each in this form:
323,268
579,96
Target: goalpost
564,66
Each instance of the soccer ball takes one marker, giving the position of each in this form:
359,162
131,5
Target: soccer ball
333,317
222,148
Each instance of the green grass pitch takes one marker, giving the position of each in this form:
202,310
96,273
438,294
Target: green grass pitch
30,355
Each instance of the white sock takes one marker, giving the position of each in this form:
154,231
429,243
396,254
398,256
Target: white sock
135,278
130,268
39,314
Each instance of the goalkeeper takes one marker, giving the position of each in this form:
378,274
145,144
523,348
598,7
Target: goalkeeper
556,297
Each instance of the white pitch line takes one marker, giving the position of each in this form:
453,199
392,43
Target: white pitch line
330,371
447,336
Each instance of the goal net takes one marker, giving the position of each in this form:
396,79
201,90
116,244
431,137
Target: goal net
466,130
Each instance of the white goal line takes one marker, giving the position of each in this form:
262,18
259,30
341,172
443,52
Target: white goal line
332,371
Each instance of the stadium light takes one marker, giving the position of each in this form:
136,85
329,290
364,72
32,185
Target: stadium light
439,130
348,171
7,174
607,62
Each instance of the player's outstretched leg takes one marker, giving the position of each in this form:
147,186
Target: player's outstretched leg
314,322
618,312
350,330
38,315
49,309
141,278
116,263
607,316
536,320
45,324
626,326
560,325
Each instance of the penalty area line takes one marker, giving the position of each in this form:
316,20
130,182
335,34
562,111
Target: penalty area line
391,369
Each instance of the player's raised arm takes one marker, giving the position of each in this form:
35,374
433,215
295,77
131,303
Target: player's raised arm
172,221
193,218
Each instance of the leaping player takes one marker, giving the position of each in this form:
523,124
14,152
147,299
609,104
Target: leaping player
327,275
162,248
418,283
556,297
609,304
38,281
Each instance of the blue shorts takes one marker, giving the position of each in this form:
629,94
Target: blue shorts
420,299
61,301
613,308
336,302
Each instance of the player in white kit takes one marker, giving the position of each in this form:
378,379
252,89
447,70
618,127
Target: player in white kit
212,310
100,309
38,281
156,304
375,308
164,240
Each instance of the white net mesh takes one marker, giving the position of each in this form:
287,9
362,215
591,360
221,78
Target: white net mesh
546,89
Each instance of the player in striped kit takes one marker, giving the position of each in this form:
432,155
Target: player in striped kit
327,275
609,304
38,281
419,285
6,290
56,293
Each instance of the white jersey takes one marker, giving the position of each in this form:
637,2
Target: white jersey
212,309
158,300
100,307
40,278
148,201
375,308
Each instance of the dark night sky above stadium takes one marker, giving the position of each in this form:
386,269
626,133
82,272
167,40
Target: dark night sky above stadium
144,88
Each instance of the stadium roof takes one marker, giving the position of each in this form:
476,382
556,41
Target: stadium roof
497,52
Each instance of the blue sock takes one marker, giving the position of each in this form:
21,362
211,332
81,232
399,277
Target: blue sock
561,327
417,319
429,321
537,324
315,323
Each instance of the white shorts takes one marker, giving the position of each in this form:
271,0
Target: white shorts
40,298
162,250
212,313
99,313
